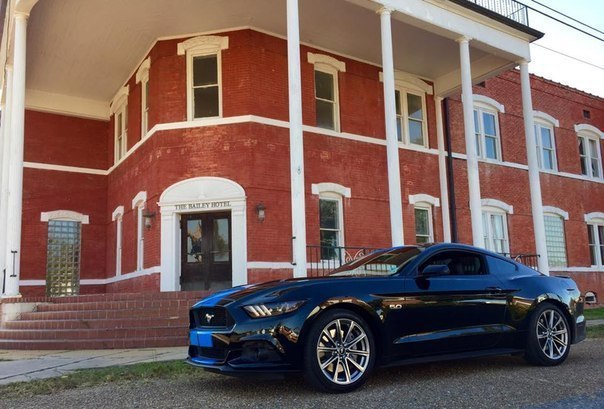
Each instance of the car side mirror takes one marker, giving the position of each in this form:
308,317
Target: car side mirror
434,270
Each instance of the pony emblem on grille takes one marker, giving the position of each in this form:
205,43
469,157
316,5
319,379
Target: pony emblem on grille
209,318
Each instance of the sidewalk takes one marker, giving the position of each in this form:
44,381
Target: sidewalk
593,323
17,366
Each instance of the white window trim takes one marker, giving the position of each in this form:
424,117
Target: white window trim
497,204
589,132
594,217
332,66
328,187
424,198
547,124
496,210
142,77
138,203
593,221
403,91
65,215
547,118
198,47
555,210
481,107
119,105
334,196
490,103
426,206
117,216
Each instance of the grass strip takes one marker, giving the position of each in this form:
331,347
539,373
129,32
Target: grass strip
94,377
595,332
594,313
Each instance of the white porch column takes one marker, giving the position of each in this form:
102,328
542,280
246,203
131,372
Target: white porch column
5,158
15,184
533,168
296,143
394,172
470,135
442,170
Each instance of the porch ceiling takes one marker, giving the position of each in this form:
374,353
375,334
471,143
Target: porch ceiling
88,49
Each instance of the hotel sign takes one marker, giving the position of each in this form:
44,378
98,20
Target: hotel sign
203,206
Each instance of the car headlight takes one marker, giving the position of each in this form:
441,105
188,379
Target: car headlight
272,309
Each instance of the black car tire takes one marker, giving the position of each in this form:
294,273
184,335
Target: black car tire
540,336
317,341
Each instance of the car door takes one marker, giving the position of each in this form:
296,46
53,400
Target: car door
460,308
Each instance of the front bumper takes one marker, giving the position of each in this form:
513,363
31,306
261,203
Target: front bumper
580,330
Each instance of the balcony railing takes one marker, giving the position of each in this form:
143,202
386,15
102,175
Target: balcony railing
321,259
509,9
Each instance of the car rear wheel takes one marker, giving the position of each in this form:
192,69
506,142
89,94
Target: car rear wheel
339,352
548,340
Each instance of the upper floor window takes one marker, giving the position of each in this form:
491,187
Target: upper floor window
544,140
142,77
119,108
589,150
327,107
204,88
495,225
555,240
410,115
486,126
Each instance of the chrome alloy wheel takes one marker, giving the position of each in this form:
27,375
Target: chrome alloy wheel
552,334
343,351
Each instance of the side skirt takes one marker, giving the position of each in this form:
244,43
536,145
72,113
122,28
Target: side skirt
452,357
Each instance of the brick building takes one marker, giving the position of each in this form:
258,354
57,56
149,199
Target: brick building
146,149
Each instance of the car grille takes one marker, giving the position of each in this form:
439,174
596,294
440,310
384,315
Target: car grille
210,317
218,354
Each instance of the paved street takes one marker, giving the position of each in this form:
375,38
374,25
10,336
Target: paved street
479,383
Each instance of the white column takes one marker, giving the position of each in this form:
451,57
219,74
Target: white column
442,170
470,135
533,168
394,172
15,183
6,131
296,143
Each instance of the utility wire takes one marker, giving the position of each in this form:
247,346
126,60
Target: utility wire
567,16
569,56
564,22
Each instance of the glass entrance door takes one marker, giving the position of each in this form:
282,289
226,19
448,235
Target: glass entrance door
206,251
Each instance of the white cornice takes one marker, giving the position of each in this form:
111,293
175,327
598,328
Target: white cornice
594,217
481,99
546,117
139,200
497,204
322,59
209,44
589,128
61,104
117,213
119,99
142,74
64,215
424,198
556,211
327,187
411,82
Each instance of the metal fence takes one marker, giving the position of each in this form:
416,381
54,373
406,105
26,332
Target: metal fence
511,9
321,259
529,260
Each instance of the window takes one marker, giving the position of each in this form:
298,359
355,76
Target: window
554,240
589,153
424,232
142,77
595,234
119,109
546,147
486,125
410,115
63,258
138,203
330,226
327,107
204,92
117,216
495,231
459,262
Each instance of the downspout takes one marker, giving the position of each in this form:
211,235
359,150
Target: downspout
450,176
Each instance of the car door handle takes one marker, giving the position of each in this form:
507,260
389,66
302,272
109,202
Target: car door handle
496,290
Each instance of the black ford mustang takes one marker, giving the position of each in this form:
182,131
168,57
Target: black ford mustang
398,305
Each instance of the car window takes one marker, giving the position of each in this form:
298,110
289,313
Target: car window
460,263
501,267
380,263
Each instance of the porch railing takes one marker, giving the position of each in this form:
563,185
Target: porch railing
529,260
510,9
321,259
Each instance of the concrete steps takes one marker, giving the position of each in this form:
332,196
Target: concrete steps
100,321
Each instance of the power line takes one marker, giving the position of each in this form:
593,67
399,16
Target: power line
565,23
569,56
567,16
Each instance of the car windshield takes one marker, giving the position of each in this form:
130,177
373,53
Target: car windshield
379,263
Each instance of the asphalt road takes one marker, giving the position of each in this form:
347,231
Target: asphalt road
496,382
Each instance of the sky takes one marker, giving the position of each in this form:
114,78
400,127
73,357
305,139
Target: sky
562,69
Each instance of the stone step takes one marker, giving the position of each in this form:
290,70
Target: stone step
96,333
106,314
139,322
112,297
118,305
101,343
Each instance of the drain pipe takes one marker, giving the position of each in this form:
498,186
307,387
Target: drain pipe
450,177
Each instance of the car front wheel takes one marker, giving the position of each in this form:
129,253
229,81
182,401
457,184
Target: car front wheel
339,352
548,340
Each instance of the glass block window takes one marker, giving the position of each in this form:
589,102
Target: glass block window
486,127
555,241
546,148
330,226
410,117
423,225
595,235
326,99
206,88
63,258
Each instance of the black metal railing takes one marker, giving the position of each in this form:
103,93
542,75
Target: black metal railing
323,259
510,9
529,260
